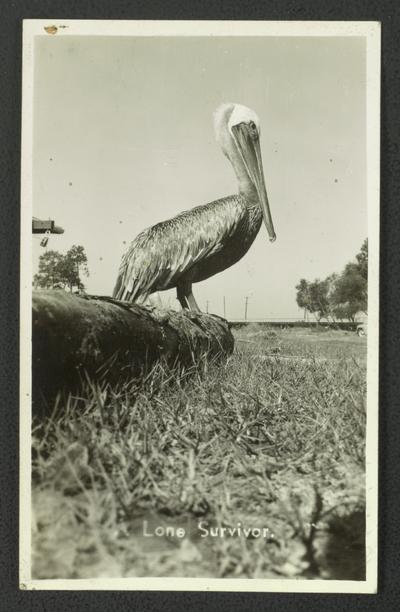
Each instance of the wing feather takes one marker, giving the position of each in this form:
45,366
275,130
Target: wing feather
160,255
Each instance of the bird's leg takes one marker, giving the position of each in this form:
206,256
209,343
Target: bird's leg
192,302
181,294
186,297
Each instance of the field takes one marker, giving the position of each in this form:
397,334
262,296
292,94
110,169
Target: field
271,440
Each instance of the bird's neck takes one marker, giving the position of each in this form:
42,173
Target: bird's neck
245,185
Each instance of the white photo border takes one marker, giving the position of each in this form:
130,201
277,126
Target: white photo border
33,28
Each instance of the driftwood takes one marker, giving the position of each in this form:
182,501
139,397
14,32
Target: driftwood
75,337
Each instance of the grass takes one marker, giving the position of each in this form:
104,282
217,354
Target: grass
274,438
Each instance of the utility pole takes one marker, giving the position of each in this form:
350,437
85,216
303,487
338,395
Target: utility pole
224,309
246,301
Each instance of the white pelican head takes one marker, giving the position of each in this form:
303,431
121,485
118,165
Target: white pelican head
237,129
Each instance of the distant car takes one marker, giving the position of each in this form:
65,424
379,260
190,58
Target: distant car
361,330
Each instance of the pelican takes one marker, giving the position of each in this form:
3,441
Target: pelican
205,240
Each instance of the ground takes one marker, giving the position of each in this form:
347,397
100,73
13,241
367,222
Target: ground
273,439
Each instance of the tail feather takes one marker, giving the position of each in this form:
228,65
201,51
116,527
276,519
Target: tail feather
122,293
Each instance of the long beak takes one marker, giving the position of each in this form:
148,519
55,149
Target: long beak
249,148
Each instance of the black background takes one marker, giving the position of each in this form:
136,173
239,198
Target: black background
11,14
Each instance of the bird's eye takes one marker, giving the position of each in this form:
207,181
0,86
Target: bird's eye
252,125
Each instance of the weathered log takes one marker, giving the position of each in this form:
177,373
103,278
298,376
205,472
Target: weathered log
75,337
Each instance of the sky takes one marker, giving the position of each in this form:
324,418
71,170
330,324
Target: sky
123,139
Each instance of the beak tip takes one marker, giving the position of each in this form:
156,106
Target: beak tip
272,238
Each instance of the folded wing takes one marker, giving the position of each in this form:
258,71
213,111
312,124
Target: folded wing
162,255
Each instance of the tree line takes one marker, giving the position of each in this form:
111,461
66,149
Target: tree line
339,296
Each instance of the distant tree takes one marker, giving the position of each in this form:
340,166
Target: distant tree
351,288
342,313
62,271
319,293
314,297
339,296
350,295
303,297
362,260
73,265
49,274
